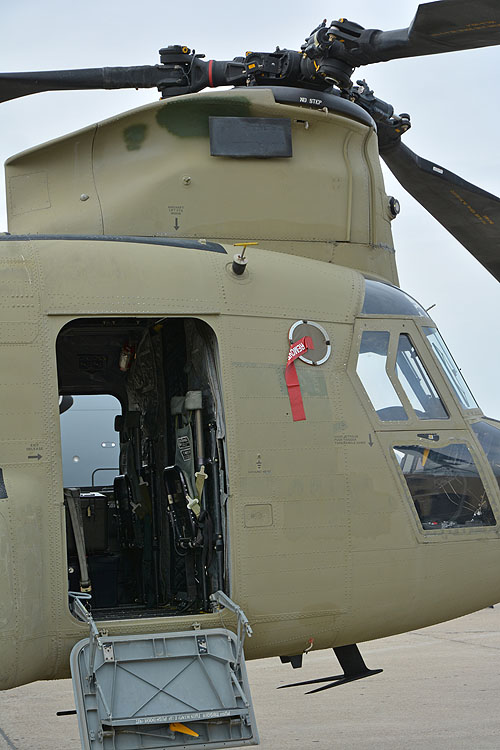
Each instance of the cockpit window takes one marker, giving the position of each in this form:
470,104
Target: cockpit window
371,369
385,299
416,382
489,437
380,380
445,486
450,368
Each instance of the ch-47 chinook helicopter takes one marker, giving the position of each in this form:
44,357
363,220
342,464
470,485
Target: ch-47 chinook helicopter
294,446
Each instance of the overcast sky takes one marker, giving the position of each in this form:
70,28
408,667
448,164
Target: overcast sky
452,100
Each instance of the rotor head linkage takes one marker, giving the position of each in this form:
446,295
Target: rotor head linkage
326,60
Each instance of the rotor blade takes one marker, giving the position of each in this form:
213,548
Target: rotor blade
469,213
442,26
14,85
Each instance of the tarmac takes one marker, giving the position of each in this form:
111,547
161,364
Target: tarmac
439,690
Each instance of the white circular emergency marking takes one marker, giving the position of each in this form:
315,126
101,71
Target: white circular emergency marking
322,347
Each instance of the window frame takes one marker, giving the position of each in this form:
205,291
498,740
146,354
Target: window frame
447,437
395,327
388,369
393,433
423,366
85,392
440,448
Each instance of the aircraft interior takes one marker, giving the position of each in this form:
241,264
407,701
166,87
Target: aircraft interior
143,464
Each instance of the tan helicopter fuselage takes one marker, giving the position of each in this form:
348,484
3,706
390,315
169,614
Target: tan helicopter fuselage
323,544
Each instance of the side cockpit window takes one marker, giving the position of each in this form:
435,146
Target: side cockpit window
445,486
372,371
382,298
399,390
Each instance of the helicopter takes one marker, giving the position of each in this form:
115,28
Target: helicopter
293,444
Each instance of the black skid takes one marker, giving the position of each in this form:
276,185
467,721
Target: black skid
352,663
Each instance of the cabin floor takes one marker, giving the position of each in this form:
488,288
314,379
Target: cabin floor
438,691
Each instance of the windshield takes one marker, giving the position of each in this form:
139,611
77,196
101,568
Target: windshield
450,368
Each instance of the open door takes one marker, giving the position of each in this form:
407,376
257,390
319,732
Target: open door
167,690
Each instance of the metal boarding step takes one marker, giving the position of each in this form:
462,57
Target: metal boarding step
161,691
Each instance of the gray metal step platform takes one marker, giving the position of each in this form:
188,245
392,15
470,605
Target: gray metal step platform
159,691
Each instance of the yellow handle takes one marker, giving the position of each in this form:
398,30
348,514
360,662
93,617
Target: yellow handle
183,729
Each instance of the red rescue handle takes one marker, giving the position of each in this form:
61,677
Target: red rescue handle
292,379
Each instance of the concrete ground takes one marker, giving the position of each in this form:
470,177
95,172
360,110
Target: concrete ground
439,690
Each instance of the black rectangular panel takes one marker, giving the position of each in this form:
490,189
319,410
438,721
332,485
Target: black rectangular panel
251,137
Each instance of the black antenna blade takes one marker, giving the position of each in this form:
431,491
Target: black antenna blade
15,85
442,26
469,213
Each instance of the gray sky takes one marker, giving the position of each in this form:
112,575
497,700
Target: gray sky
452,100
